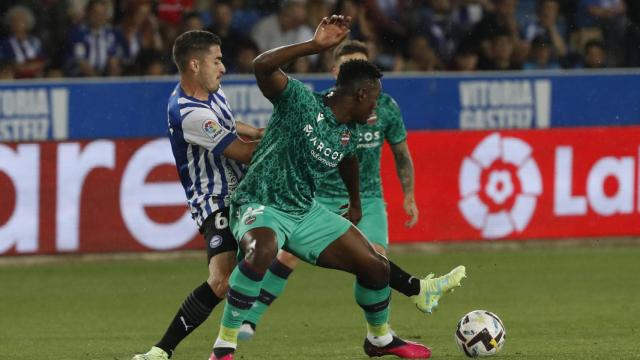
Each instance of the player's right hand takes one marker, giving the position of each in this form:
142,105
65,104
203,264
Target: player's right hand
332,31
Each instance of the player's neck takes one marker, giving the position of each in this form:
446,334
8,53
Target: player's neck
338,107
194,90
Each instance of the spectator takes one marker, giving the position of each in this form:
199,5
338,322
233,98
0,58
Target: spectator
361,29
541,55
21,47
609,16
421,56
148,62
501,53
6,69
93,44
546,25
130,31
386,18
231,38
242,63
501,21
191,21
438,23
465,57
316,11
595,56
287,26
244,17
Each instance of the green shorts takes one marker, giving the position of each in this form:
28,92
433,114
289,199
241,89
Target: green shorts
306,236
374,217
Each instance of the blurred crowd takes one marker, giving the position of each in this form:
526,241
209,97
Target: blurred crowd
79,38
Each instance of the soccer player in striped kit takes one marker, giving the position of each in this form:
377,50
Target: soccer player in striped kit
385,124
210,158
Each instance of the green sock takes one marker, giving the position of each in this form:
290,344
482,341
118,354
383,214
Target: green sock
375,304
244,286
273,285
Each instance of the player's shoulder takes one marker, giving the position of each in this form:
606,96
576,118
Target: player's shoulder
386,99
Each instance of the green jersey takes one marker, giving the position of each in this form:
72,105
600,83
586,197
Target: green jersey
387,125
302,143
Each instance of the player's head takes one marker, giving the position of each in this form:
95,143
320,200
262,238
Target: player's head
198,57
348,50
360,81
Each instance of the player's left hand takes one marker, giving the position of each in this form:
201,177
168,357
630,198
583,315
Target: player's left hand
352,213
332,31
411,209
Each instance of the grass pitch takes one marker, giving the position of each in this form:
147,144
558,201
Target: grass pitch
569,303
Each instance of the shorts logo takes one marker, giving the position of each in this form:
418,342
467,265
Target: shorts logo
499,185
344,137
249,216
215,241
211,128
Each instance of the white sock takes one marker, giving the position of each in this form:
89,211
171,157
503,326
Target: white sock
380,341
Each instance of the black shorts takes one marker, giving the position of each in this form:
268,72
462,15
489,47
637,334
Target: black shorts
217,234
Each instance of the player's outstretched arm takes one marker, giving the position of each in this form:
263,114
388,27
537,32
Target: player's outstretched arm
240,150
349,169
404,168
267,66
249,131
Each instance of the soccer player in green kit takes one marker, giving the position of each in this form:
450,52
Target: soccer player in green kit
308,135
386,124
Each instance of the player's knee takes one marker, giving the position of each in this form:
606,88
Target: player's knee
219,285
376,272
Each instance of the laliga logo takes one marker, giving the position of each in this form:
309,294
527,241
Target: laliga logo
499,185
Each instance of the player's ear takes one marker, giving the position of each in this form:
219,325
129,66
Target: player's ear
361,94
194,64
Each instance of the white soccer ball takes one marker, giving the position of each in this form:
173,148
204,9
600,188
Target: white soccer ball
480,333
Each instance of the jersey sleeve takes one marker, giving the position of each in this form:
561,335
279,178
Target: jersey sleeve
293,94
395,132
201,127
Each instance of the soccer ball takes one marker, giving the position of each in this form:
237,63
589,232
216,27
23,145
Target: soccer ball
480,333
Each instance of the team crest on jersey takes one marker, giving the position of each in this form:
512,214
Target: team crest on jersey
345,137
373,118
211,128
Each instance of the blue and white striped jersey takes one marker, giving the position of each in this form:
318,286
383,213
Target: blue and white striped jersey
199,132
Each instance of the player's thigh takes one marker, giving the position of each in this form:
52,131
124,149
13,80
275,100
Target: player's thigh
317,230
217,234
374,224
256,225
351,252
288,259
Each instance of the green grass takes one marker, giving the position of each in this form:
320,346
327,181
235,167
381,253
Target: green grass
571,303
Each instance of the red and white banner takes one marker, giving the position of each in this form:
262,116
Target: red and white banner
98,196
124,195
577,182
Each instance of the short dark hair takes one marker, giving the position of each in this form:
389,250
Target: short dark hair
192,41
353,72
349,47
593,43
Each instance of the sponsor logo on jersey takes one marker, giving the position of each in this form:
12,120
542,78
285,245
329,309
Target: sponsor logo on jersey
344,137
320,151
